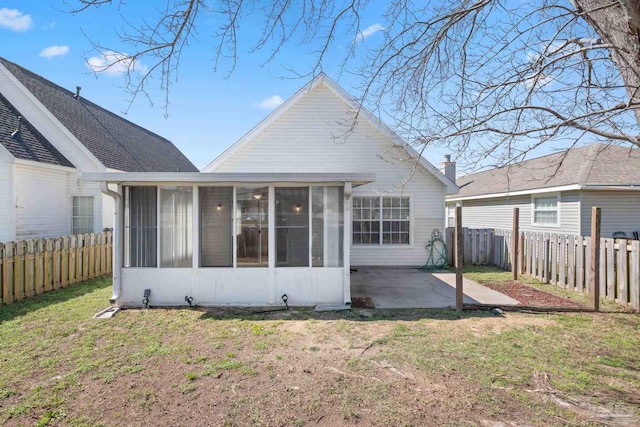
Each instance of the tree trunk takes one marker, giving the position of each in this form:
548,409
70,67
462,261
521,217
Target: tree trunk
618,24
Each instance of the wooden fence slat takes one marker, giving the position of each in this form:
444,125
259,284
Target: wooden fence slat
562,262
40,249
579,285
529,242
29,269
553,258
611,272
18,271
623,297
587,265
57,264
634,282
545,258
571,262
603,268
7,273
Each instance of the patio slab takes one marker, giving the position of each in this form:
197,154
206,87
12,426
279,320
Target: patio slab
412,288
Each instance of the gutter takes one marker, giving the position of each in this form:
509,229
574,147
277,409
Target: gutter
116,240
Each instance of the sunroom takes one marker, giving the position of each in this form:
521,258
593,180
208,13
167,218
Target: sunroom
215,239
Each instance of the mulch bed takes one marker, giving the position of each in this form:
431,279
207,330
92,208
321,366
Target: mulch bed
530,296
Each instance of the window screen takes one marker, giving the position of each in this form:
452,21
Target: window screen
292,226
216,221
141,227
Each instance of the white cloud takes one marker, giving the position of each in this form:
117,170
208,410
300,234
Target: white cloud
270,103
14,20
114,63
50,26
53,51
368,32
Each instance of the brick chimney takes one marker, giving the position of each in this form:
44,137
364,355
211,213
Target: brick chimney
448,168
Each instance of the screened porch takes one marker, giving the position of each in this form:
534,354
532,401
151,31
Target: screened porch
245,239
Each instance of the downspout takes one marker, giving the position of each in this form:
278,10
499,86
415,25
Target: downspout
116,240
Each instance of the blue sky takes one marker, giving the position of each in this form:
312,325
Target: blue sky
208,112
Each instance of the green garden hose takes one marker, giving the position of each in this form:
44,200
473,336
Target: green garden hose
437,248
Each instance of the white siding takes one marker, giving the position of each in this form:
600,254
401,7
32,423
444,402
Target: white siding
620,211
43,197
7,203
77,187
498,213
315,136
41,202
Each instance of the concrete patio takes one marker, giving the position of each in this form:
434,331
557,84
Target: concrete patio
412,288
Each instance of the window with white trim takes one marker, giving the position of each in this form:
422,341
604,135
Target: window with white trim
381,220
82,215
451,215
545,210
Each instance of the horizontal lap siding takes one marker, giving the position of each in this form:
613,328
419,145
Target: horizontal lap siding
77,187
42,202
620,211
498,213
7,204
316,136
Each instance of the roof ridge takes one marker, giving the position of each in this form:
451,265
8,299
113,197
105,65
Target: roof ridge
525,162
84,99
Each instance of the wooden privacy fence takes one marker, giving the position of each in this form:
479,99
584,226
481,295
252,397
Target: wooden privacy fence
32,267
561,260
482,246
565,261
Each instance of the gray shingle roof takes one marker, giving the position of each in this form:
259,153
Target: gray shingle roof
30,145
116,142
595,164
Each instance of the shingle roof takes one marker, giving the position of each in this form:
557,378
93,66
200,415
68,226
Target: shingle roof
116,142
30,144
595,164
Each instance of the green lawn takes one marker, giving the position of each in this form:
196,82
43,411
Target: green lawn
58,366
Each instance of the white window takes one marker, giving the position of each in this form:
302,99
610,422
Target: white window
545,210
381,220
451,215
82,215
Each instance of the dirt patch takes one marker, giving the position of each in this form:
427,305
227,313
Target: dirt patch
362,302
528,295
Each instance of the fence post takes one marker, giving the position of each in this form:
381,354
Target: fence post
595,258
514,243
459,260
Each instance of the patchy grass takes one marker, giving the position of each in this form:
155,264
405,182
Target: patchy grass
371,367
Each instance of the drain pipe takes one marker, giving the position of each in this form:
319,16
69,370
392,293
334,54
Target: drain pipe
116,240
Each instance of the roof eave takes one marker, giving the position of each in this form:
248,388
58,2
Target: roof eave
217,177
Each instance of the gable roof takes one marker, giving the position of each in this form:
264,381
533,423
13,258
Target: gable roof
115,142
592,165
29,144
322,78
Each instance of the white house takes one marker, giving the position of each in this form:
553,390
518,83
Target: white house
48,137
555,193
286,210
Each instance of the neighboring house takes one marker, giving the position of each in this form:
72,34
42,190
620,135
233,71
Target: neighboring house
286,210
555,193
48,136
